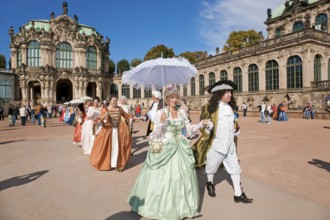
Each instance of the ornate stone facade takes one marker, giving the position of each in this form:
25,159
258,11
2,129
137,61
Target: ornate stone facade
301,57
286,43
59,59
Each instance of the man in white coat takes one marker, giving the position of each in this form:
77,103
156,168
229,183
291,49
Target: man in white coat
151,114
218,141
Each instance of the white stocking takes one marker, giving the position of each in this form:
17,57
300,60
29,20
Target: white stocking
236,178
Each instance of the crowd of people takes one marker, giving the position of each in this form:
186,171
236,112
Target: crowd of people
104,131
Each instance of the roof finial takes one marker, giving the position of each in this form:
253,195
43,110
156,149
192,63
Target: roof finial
65,8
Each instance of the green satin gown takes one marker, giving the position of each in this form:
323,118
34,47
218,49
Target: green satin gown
167,186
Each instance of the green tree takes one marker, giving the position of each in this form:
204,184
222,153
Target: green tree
239,39
112,66
135,62
122,65
189,56
156,51
2,62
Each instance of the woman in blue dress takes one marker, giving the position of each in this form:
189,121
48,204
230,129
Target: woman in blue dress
167,186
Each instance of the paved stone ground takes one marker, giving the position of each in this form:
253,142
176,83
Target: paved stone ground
285,168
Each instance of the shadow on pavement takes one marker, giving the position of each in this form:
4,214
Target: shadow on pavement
320,164
124,216
21,180
136,159
220,176
7,142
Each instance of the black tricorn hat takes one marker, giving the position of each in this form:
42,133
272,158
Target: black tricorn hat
222,85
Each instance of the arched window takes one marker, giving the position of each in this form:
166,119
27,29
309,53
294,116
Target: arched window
33,53
63,55
185,90
272,75
136,93
317,68
253,74
238,78
114,89
5,89
147,92
201,84
298,26
192,86
321,22
125,90
19,57
211,78
223,75
294,73
278,32
91,57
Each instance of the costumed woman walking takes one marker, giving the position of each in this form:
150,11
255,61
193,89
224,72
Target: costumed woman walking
89,127
80,117
112,146
167,186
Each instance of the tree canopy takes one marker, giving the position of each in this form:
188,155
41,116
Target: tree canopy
193,56
135,62
239,39
112,66
122,65
189,56
2,62
156,51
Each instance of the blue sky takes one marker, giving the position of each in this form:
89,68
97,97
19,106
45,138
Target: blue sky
135,26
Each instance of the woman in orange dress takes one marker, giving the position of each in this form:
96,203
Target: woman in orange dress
80,117
112,146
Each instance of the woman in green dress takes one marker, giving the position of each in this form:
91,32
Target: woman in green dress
167,186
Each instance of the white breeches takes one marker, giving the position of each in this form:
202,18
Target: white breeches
230,161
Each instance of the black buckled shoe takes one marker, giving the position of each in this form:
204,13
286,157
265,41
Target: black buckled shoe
210,189
242,198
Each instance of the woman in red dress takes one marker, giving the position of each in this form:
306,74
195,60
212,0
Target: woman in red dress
80,117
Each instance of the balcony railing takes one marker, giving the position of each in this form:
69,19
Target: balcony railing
321,85
307,33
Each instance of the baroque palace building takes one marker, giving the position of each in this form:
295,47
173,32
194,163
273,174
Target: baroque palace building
291,65
58,60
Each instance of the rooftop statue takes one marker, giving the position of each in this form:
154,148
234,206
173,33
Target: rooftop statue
269,13
65,8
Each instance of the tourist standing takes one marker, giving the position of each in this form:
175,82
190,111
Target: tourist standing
11,115
244,107
1,113
22,113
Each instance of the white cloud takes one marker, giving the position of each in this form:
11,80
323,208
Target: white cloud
218,18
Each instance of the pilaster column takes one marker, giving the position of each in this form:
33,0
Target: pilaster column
245,79
142,92
119,90
24,51
13,58
99,89
98,59
24,91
